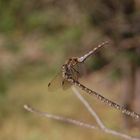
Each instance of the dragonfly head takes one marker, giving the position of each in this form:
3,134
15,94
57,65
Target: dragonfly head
72,61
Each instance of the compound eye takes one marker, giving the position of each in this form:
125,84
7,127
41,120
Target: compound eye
75,60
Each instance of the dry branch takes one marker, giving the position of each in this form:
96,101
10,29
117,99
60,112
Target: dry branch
101,127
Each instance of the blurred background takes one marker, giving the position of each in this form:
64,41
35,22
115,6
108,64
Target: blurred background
36,37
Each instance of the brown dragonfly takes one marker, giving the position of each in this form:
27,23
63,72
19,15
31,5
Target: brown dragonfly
69,76
60,81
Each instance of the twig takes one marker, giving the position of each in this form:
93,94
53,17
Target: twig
88,107
80,123
59,118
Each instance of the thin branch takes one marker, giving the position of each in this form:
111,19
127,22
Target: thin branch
88,107
59,118
80,123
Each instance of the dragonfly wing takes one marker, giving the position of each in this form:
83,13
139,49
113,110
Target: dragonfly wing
66,84
56,83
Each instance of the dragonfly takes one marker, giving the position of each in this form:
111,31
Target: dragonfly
59,81
69,76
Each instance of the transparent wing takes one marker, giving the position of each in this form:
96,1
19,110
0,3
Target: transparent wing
55,83
58,82
66,84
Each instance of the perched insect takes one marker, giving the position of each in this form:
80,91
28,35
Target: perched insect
69,76
60,80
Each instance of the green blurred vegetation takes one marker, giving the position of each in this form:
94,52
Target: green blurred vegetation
36,37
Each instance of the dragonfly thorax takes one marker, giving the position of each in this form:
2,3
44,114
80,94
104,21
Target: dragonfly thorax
66,71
